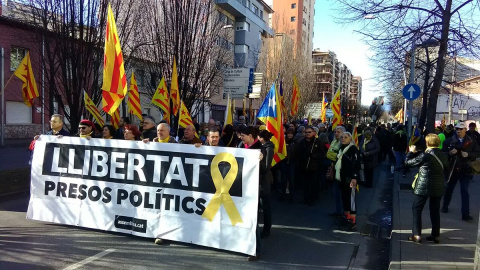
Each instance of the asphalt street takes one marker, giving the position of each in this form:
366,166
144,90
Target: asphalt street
302,237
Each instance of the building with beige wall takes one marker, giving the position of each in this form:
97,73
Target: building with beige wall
296,19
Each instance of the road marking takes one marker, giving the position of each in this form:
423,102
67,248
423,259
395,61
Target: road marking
90,259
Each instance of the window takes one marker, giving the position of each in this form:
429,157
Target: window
294,5
292,19
16,56
140,77
255,10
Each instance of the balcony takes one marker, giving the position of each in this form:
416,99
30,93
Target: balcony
238,9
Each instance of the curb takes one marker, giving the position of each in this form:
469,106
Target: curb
395,246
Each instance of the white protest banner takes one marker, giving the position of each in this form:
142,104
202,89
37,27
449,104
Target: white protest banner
206,196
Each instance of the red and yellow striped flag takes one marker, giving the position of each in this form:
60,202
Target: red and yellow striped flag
355,136
92,109
29,88
114,79
161,100
324,109
337,117
184,119
174,90
134,106
295,97
116,118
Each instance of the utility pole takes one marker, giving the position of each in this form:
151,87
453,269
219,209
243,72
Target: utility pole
2,92
450,97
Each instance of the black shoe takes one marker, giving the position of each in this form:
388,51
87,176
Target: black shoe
444,210
265,234
433,239
415,238
467,218
253,258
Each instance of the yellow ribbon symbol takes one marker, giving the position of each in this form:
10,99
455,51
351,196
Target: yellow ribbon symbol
222,186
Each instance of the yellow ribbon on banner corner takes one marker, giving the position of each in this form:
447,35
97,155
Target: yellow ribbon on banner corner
222,186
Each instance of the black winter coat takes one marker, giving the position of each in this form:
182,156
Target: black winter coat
400,141
350,165
370,153
458,162
430,181
310,153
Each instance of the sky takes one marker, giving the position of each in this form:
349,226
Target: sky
347,45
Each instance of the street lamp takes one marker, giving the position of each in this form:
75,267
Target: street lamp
426,44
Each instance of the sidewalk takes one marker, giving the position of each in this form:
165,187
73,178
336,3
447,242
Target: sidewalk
458,238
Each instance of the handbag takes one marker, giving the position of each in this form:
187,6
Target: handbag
331,172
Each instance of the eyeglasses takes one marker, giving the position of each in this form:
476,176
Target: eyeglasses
82,128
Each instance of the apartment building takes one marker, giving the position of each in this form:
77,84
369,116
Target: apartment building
296,19
331,75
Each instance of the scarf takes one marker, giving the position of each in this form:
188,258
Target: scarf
365,143
333,150
87,135
165,140
338,165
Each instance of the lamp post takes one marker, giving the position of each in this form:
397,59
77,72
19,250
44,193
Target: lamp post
427,43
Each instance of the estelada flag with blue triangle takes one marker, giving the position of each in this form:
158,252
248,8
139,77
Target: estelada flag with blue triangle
270,113
415,137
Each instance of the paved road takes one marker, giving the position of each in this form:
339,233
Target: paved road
303,237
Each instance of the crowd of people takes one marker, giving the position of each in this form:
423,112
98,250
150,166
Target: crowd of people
319,159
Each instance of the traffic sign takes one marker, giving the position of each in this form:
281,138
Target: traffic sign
411,91
236,81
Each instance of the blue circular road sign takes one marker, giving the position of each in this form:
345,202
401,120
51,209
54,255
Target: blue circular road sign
411,91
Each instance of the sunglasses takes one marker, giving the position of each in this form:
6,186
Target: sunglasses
82,128
458,128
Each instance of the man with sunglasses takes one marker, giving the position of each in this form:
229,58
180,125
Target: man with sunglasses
462,149
85,129
312,151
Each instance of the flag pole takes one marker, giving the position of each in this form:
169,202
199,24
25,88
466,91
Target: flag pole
2,92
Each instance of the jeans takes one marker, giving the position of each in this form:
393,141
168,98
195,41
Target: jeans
288,177
417,208
338,197
464,183
400,158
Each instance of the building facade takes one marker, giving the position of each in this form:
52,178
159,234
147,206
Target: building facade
296,19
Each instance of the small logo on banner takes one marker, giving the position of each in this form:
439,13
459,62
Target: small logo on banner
130,223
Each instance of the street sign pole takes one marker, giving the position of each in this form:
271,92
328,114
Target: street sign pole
411,81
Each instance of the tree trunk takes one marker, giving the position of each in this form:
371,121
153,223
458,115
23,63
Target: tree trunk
423,113
437,81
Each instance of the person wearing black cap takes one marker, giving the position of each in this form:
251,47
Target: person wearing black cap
400,144
462,149
85,129
472,133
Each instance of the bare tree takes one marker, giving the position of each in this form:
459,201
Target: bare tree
195,33
399,24
72,33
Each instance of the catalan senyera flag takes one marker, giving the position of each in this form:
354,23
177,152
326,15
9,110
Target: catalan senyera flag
324,108
116,119
355,136
271,115
184,119
25,73
92,109
228,113
174,90
295,97
161,100
114,78
337,117
399,116
133,104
